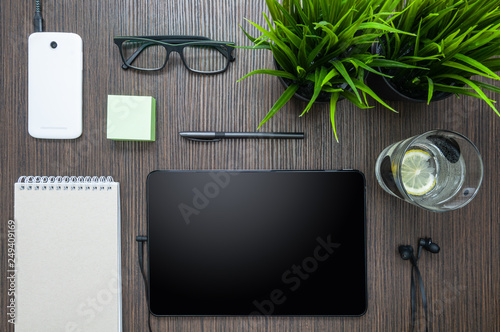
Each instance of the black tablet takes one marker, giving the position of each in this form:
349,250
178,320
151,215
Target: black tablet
286,243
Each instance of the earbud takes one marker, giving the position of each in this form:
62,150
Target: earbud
406,252
428,245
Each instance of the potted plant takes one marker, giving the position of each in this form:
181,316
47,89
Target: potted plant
455,39
322,49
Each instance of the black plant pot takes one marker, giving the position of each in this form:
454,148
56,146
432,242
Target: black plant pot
387,90
383,87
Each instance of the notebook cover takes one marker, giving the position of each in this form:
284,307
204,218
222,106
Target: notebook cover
68,269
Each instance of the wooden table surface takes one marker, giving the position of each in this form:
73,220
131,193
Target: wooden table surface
462,281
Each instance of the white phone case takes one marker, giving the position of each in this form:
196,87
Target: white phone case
55,63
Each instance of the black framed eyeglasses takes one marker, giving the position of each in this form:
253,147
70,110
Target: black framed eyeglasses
199,54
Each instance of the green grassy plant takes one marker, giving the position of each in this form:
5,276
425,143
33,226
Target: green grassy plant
455,40
325,46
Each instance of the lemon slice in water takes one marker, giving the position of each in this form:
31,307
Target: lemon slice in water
417,172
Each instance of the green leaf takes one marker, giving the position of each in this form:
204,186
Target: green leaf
476,64
383,27
420,58
317,50
282,46
384,63
430,89
409,18
301,72
417,41
431,48
294,39
370,69
456,90
286,5
287,18
333,103
482,38
302,56
331,74
487,86
319,75
283,99
363,87
303,16
327,28
446,28
252,39
275,14
352,62
397,46
348,13
342,71
272,72
283,60
354,100
493,63
473,86
464,68
331,90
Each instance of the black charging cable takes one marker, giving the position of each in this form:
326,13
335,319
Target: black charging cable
141,239
38,20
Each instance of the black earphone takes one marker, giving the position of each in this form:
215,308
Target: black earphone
406,253
428,245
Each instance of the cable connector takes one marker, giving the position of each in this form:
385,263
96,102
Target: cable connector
38,22
141,238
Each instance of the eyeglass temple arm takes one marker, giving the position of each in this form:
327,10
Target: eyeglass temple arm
230,50
134,55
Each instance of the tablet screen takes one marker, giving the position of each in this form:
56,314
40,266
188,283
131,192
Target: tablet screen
256,243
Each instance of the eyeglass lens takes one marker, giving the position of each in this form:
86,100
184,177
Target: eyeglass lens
204,58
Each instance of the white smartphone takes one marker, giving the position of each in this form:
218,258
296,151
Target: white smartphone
55,63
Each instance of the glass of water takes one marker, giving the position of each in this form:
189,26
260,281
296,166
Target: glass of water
439,170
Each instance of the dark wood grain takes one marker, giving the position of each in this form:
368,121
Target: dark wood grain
462,281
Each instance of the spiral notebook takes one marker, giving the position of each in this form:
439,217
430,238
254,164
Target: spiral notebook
68,269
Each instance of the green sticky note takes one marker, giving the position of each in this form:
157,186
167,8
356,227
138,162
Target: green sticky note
131,118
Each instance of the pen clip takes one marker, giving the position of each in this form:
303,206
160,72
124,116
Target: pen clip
204,139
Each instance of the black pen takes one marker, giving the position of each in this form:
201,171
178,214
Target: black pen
217,136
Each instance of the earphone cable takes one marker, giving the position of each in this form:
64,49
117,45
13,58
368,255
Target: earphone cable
37,19
141,240
413,295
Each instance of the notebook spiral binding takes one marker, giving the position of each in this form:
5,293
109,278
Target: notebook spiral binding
71,183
